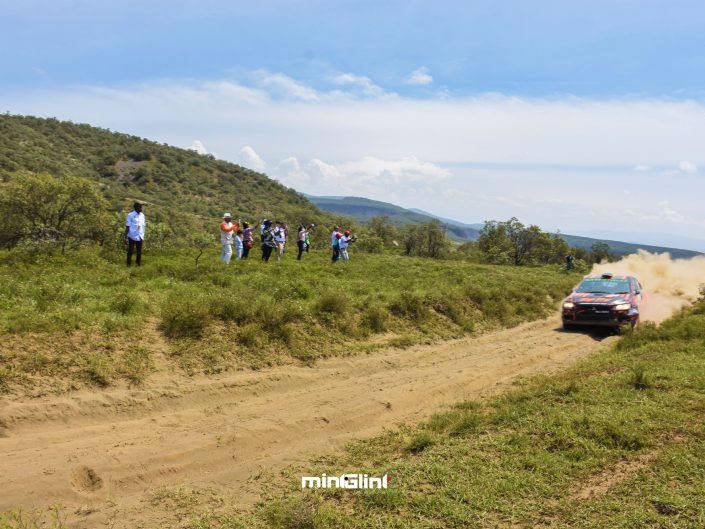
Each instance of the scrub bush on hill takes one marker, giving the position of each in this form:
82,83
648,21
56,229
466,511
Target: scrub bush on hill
41,209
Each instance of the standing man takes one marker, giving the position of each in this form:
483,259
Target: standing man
569,262
227,232
135,225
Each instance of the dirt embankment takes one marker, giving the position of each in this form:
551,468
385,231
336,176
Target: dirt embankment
102,454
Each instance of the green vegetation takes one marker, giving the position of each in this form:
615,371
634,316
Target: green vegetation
181,188
40,210
85,318
616,441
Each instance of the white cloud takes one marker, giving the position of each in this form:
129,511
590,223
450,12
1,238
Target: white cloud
284,85
688,167
198,146
356,139
368,176
247,157
364,84
665,212
420,76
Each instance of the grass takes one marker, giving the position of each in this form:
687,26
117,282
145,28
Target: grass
84,318
544,454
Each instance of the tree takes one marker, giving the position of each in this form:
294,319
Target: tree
425,240
382,227
600,251
511,242
45,209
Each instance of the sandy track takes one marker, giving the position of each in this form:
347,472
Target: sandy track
87,449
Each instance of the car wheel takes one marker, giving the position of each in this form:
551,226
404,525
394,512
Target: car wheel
568,326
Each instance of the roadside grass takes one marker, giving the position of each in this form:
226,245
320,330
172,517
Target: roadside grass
615,441
84,318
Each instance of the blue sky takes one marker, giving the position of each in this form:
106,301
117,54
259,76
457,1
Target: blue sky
474,110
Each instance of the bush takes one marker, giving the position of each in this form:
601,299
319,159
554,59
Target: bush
184,317
410,305
420,442
124,302
333,303
375,318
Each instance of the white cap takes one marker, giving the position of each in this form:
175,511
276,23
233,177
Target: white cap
227,215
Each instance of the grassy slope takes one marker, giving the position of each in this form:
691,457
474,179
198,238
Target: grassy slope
616,441
171,180
70,319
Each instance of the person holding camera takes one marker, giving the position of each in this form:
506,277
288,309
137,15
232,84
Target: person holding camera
345,241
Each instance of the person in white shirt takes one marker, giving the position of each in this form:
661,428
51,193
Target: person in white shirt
279,239
344,242
135,225
238,244
227,233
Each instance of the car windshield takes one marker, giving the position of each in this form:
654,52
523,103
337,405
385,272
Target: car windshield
604,286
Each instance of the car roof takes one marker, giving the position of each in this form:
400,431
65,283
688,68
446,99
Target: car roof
610,276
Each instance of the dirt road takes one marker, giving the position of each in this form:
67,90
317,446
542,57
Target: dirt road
104,452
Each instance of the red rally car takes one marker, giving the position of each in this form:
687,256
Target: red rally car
605,299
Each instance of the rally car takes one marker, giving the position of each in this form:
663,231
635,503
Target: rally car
604,299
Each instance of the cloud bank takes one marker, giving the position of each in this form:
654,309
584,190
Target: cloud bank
568,163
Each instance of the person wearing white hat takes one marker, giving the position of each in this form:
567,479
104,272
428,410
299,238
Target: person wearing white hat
227,233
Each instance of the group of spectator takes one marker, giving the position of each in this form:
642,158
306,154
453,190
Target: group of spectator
239,236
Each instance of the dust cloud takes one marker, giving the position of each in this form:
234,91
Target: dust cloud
669,284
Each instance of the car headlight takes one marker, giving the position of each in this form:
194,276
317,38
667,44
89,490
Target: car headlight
622,306
568,305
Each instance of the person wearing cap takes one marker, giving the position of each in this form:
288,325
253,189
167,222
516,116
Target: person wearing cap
268,243
344,243
227,233
135,225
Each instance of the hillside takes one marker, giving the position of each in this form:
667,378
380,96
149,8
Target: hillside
169,179
363,209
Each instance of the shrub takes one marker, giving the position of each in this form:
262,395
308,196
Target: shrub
420,442
375,318
249,335
184,317
125,302
639,379
136,365
410,305
333,303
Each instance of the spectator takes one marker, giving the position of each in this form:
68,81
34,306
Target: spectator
336,247
238,244
268,243
247,239
135,225
344,243
227,231
301,241
279,239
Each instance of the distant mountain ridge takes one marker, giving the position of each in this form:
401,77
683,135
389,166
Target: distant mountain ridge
363,209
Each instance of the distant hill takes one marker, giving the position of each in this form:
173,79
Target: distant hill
363,209
173,182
